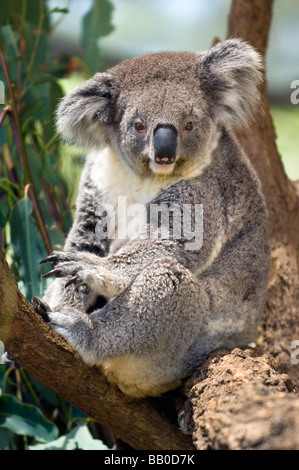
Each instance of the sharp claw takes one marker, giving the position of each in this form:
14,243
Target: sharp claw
49,259
73,280
54,272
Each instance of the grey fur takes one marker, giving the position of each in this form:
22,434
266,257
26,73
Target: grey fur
166,307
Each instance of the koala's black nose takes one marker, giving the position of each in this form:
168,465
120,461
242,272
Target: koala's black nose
165,143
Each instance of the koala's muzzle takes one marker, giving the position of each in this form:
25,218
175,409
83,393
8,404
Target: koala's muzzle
165,144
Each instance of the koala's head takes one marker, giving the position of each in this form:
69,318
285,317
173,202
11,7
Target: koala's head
160,111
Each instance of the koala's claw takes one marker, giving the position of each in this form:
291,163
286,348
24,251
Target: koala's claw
64,264
72,280
48,259
59,256
41,308
53,257
57,272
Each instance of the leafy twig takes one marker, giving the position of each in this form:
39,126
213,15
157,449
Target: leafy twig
17,131
11,169
39,31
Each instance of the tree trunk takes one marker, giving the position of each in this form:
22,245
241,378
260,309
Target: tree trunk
250,20
238,402
237,399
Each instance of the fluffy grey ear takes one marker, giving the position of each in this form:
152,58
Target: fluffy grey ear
230,75
82,115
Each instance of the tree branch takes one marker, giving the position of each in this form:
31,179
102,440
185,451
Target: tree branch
239,401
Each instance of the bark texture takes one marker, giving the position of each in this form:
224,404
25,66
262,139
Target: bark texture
237,400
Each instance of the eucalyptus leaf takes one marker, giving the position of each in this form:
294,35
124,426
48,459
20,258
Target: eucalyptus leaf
12,10
25,419
3,215
95,24
36,50
79,438
27,246
8,41
8,440
4,12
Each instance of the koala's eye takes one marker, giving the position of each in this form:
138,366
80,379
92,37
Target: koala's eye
189,126
139,127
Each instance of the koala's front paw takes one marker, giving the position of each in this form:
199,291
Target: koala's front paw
86,270
70,324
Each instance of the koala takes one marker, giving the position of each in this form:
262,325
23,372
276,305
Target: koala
150,307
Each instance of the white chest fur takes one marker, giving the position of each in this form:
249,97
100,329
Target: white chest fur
124,193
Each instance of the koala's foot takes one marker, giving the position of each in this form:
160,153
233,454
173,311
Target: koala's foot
72,324
100,280
85,270
41,308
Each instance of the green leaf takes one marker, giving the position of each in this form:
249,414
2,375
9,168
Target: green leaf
78,438
8,41
95,24
8,440
40,102
3,215
28,247
37,48
4,12
50,169
29,11
23,419
35,167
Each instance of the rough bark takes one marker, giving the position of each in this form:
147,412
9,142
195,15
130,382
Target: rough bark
237,400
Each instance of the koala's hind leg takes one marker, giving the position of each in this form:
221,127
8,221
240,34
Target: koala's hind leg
141,337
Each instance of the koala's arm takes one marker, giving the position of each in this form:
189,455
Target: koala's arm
111,275
81,241
83,237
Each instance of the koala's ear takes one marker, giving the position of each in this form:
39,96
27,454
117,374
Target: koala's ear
83,114
230,75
